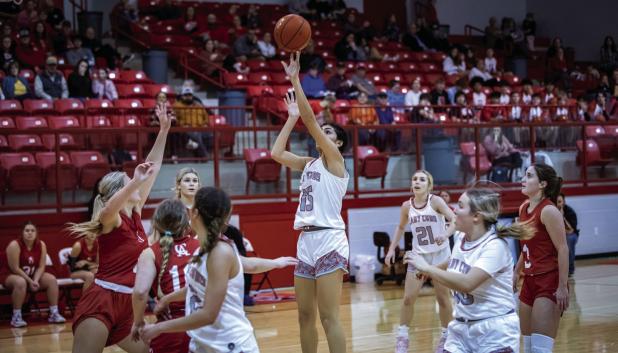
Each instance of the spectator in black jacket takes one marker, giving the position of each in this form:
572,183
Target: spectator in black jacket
572,233
79,82
413,41
340,84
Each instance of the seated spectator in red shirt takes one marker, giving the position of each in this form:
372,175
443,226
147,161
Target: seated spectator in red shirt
557,68
215,31
28,15
500,149
28,54
237,30
41,38
493,111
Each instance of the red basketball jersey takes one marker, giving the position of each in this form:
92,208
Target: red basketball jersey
539,253
120,249
173,278
88,255
29,259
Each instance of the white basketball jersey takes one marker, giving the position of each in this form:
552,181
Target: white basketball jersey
426,223
231,328
321,196
494,297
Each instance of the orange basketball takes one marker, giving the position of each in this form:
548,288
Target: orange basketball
292,33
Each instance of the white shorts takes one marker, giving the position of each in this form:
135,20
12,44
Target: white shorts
434,258
248,346
321,252
494,335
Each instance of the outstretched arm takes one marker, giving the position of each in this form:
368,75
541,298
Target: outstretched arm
259,265
278,151
334,159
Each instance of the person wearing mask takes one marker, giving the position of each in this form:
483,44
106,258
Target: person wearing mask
15,86
79,82
103,87
50,84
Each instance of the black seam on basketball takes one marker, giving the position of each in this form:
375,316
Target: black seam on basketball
295,33
281,34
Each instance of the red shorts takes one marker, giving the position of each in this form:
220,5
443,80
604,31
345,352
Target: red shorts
539,286
113,309
176,342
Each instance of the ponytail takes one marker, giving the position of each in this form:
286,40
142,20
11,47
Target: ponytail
517,231
165,243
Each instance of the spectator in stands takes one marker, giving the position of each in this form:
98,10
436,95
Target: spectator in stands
232,12
395,96
267,48
505,94
614,83
350,25
237,29
347,49
362,83
362,113
537,113
214,58
215,31
191,24
41,38
167,11
609,54
367,32
550,93
246,47
478,96
605,86
63,40
452,64
252,18
79,81
413,96
492,33
26,260
527,91
28,54
313,83
15,86
28,15
412,40
556,44
557,69
386,116
491,65
529,28
100,50
79,53
55,15
493,111
372,52
501,150
546,135
299,7
50,84
582,111
515,113
190,113
438,95
161,100
561,112
340,84
7,30
461,112
103,87
310,58
339,9
424,113
392,32
460,85
322,8
123,14
601,111
479,71
7,53
570,225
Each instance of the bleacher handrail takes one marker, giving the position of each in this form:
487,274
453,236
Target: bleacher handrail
468,29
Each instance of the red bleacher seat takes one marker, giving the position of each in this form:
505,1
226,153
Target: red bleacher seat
261,167
407,67
256,78
429,67
128,140
395,76
6,122
431,79
91,166
67,173
280,91
100,141
235,79
98,106
98,121
38,106
23,174
131,90
27,74
342,105
153,89
128,104
280,78
372,164
226,138
468,152
593,155
67,141
132,76
4,143
148,103
10,107
69,105
258,90
418,56
258,65
62,122
25,142
30,122
170,40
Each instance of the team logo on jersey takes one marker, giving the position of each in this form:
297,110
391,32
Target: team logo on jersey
139,238
30,260
181,250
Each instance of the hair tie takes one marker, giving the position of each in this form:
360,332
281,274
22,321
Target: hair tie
167,233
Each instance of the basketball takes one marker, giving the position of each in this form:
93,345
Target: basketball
292,33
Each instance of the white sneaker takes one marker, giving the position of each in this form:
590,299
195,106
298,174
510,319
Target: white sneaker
17,321
56,318
402,344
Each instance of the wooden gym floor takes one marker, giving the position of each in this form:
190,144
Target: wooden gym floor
370,313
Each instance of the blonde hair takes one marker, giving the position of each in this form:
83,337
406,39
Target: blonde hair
486,202
109,185
429,179
170,220
181,174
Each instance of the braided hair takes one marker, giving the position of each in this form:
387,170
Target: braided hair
213,206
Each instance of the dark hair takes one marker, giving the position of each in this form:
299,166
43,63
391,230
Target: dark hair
171,221
87,73
526,81
494,95
458,94
554,182
612,46
214,206
29,223
475,80
341,135
536,95
562,195
424,96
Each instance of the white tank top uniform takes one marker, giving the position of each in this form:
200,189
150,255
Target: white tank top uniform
231,332
485,319
322,247
426,223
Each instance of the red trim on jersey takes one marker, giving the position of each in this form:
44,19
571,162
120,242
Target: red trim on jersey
424,206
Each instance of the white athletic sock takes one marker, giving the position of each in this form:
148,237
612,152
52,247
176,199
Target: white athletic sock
541,343
16,312
527,344
53,309
402,331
